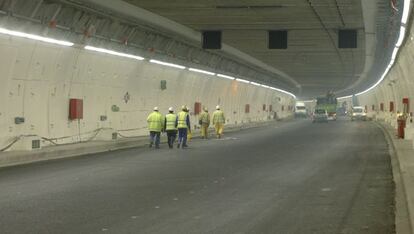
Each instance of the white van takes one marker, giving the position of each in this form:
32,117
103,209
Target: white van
300,110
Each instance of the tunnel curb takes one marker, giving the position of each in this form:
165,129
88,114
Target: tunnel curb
403,211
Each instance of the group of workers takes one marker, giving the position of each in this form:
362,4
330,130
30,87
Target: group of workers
180,123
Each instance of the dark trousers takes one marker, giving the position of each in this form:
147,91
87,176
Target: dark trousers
182,136
155,138
171,135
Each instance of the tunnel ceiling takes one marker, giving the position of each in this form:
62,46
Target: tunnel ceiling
312,58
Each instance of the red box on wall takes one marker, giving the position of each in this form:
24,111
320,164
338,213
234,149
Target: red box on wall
391,106
197,108
75,109
247,108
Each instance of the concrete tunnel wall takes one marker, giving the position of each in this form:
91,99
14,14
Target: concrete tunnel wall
398,84
38,79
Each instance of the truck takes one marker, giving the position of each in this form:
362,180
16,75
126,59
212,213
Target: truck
300,110
328,103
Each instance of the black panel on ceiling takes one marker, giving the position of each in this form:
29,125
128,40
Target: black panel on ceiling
278,39
212,40
347,39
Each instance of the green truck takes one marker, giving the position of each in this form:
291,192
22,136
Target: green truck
328,103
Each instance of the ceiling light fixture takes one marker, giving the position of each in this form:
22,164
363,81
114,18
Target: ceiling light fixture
167,64
406,11
285,92
243,81
111,52
201,71
401,37
225,76
35,37
345,97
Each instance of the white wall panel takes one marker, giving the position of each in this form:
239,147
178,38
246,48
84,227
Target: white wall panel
38,79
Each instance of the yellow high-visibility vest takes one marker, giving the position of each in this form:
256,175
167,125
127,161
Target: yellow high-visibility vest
182,119
170,122
205,118
155,122
218,117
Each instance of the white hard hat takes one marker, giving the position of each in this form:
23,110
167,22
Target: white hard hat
170,109
217,107
156,108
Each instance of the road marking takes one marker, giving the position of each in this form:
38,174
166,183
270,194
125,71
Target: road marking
104,229
326,189
134,217
157,207
175,199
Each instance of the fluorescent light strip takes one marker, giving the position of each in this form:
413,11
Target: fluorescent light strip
309,101
202,71
254,83
405,15
167,64
265,86
225,76
344,97
111,52
283,91
394,53
401,37
378,82
243,81
35,37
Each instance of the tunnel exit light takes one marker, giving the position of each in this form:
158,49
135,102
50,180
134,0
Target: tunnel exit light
35,37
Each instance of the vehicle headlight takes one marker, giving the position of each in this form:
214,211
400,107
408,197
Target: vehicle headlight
353,114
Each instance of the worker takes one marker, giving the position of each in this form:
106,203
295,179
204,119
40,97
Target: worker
183,125
218,121
204,122
171,126
155,125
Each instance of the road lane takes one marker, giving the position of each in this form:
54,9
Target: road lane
295,177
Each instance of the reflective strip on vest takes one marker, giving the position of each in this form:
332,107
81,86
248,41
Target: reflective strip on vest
182,119
170,119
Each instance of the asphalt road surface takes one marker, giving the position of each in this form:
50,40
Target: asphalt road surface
294,177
